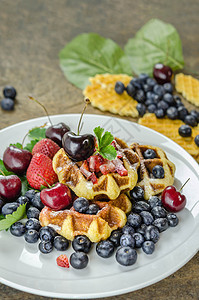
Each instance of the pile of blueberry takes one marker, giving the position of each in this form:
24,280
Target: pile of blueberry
159,99
8,102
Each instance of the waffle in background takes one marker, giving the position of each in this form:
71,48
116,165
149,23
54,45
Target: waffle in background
188,86
170,129
102,95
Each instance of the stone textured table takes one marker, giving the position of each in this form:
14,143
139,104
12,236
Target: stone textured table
31,35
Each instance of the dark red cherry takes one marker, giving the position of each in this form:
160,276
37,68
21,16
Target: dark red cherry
10,187
172,199
162,73
16,160
56,132
78,147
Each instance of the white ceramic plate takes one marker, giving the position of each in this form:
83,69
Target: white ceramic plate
23,267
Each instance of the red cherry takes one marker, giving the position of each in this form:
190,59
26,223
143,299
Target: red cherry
162,73
57,197
173,200
16,160
10,187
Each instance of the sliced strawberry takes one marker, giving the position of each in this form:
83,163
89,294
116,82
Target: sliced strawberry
119,167
93,178
85,170
107,167
62,261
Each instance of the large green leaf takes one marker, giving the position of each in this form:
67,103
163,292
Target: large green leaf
89,54
155,42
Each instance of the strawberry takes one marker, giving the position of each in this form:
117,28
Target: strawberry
119,167
47,147
62,261
40,168
107,167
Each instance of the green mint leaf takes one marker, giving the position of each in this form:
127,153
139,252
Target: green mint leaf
155,42
98,132
108,152
2,217
24,184
89,54
14,217
106,139
30,145
17,145
37,133
4,170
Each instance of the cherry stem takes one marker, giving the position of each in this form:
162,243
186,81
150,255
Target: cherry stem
87,101
31,98
45,181
183,185
24,139
2,172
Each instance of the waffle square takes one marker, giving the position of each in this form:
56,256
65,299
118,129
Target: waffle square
170,129
188,86
102,95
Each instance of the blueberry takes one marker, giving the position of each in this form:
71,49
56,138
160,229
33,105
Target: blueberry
163,104
196,140
151,108
158,171
33,223
168,87
7,104
172,219
168,98
160,113
178,101
159,212
33,212
45,247
149,102
119,87
149,154
47,234
140,206
134,220
154,201
156,98
185,131
105,248
22,200
141,108
152,234
151,82
127,229
190,120
158,90
9,208
60,243
126,256
172,113
149,95
139,96
30,194
182,112
115,237
9,92
17,229
79,260
161,223
93,209
127,240
148,247
147,217
31,236
1,204
147,88
81,243
141,229
139,239
36,201
136,83
131,90
81,205
143,77
195,114
137,193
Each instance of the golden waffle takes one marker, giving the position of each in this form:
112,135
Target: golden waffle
108,186
70,223
102,95
188,86
151,185
170,129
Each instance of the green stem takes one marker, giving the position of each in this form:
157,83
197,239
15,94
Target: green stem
183,185
87,101
31,98
2,172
